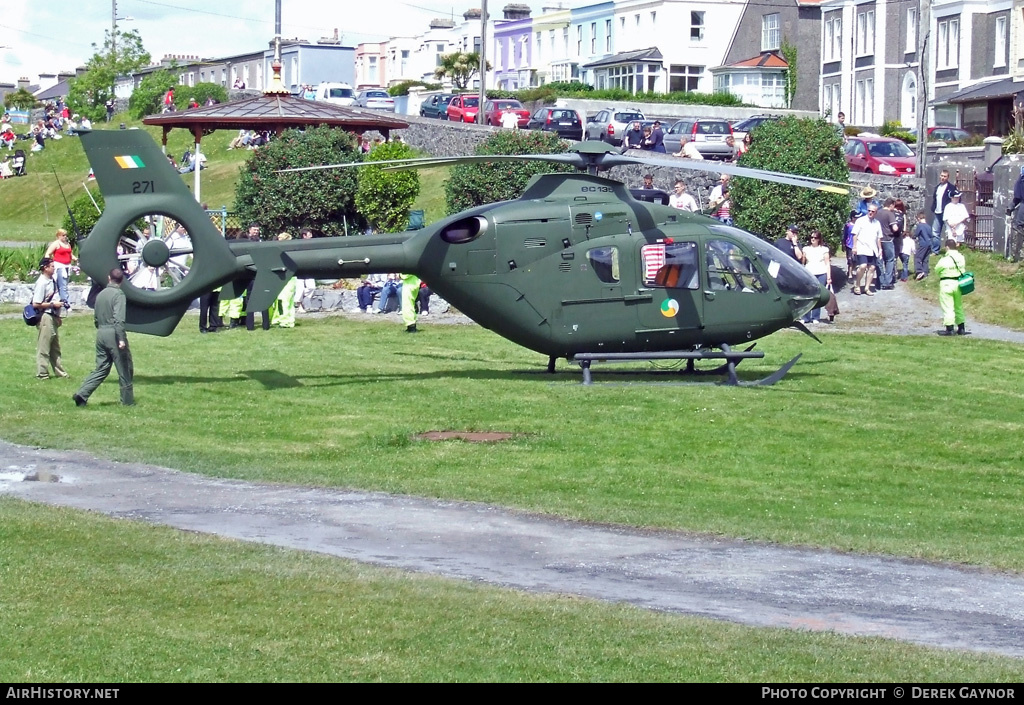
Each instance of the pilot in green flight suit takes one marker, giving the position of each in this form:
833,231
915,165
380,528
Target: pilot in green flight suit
111,343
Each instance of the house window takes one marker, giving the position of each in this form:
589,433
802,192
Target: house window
833,49
579,40
911,30
371,74
608,36
565,39
593,38
684,78
866,33
551,41
865,106
654,18
1000,43
538,46
771,36
697,26
405,61
948,46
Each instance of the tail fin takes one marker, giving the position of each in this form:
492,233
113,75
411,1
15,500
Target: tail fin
137,181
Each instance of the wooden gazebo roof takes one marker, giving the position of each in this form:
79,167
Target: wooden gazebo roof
276,113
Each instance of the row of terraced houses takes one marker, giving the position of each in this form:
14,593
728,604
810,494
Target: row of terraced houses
854,56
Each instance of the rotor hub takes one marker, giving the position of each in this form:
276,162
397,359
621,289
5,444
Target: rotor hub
155,253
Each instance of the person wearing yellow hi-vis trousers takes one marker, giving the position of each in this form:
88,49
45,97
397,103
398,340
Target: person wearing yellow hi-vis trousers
282,313
410,290
949,268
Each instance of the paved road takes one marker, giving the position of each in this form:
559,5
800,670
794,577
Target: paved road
935,605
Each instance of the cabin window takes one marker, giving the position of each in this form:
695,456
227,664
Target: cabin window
465,230
672,265
730,269
605,263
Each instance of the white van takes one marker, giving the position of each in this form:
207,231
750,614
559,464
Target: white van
336,93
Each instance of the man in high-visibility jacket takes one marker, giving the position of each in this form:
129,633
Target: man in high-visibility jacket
410,290
949,268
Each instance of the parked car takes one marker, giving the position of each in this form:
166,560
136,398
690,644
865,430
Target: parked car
565,122
463,108
879,155
707,135
740,128
376,98
336,94
436,106
493,110
610,123
947,134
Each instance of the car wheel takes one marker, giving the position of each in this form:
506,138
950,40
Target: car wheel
867,170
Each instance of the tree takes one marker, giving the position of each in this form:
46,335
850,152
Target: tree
89,92
476,184
794,146
200,92
86,215
20,99
323,199
459,67
384,198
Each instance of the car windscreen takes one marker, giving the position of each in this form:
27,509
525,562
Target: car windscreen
508,105
713,128
340,93
626,117
378,94
563,115
470,102
889,149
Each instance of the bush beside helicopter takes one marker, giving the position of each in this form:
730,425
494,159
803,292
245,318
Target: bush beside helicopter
574,268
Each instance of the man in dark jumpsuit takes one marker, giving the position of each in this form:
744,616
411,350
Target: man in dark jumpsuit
111,343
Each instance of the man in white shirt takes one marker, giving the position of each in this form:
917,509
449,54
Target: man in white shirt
509,120
688,150
867,245
681,199
955,216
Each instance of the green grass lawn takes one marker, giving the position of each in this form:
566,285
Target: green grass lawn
91,599
855,449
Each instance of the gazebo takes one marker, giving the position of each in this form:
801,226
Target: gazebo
277,110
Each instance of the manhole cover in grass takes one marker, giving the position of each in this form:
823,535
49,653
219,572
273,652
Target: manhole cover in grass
471,436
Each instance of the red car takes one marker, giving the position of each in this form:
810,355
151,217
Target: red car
463,108
494,109
879,155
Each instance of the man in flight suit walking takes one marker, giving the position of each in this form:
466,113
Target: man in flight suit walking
111,343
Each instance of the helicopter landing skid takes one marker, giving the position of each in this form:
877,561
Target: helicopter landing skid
732,359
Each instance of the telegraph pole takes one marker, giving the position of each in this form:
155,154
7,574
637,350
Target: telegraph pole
480,117
924,29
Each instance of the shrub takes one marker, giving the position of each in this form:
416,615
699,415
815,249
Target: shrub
384,198
891,128
20,264
85,214
403,87
148,98
476,184
323,199
793,146
201,92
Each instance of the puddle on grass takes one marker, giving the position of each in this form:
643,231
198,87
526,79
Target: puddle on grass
470,436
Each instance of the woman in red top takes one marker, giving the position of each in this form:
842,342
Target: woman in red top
60,252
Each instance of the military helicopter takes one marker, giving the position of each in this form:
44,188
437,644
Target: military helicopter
575,268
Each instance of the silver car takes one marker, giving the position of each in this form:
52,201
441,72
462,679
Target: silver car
707,135
610,124
376,98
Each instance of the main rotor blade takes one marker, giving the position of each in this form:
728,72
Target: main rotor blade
427,162
610,160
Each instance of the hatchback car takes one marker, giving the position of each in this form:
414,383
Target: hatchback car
494,109
879,155
563,121
463,108
610,124
707,135
436,106
947,134
376,98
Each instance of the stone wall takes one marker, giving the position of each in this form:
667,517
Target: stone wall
319,301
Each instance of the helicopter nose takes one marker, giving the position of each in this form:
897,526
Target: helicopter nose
823,296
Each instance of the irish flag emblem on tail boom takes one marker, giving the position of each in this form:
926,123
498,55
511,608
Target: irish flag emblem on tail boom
129,162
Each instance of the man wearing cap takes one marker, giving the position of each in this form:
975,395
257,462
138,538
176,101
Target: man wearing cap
955,216
111,343
46,301
941,197
790,243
